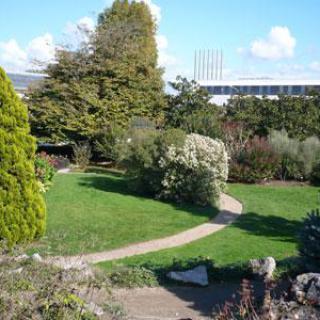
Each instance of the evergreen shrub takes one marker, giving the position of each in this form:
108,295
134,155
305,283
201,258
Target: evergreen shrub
310,238
22,207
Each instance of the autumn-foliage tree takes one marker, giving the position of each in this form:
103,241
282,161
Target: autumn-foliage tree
22,208
111,78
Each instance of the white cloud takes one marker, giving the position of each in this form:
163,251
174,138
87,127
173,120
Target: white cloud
12,56
162,42
165,59
279,44
41,49
39,52
79,32
315,66
154,8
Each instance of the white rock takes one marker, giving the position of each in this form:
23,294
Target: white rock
36,257
197,275
95,309
19,270
21,257
263,267
306,288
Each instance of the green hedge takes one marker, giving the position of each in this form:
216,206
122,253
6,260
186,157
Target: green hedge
22,207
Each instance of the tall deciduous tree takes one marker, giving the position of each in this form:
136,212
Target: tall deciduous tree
112,78
130,83
22,208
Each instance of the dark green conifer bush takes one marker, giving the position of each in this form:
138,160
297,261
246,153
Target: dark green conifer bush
22,207
310,238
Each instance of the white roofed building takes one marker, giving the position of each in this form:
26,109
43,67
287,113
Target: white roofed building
222,90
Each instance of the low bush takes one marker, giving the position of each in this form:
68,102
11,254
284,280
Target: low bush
125,277
256,162
138,153
296,158
309,155
60,162
288,151
45,169
82,154
315,174
107,140
196,172
175,166
309,245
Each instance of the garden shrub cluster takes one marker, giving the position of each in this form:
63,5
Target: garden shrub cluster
256,161
175,166
22,207
276,157
297,159
198,171
45,170
82,154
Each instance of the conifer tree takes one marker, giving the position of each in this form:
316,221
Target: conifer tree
22,207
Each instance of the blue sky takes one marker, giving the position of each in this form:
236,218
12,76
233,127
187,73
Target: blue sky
278,38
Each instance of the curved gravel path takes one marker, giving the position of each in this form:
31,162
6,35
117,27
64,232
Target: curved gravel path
230,209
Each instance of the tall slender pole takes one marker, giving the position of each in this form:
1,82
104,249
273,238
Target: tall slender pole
199,66
208,60
195,66
221,64
212,63
204,65
216,67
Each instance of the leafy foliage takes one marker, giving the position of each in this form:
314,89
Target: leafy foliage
255,162
299,116
107,140
196,172
176,166
190,109
45,169
107,81
310,238
139,155
22,208
315,174
82,154
297,158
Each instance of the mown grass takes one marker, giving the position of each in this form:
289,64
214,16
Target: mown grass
96,212
269,227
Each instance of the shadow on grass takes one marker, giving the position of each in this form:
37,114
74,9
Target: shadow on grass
117,183
276,227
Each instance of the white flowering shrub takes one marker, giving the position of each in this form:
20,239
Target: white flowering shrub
196,172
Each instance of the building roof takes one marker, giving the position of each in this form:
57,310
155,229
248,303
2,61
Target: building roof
260,82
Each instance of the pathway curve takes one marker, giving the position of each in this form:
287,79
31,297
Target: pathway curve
230,209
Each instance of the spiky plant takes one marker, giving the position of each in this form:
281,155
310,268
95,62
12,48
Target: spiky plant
310,238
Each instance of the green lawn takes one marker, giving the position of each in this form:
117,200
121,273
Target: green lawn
96,212
272,217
